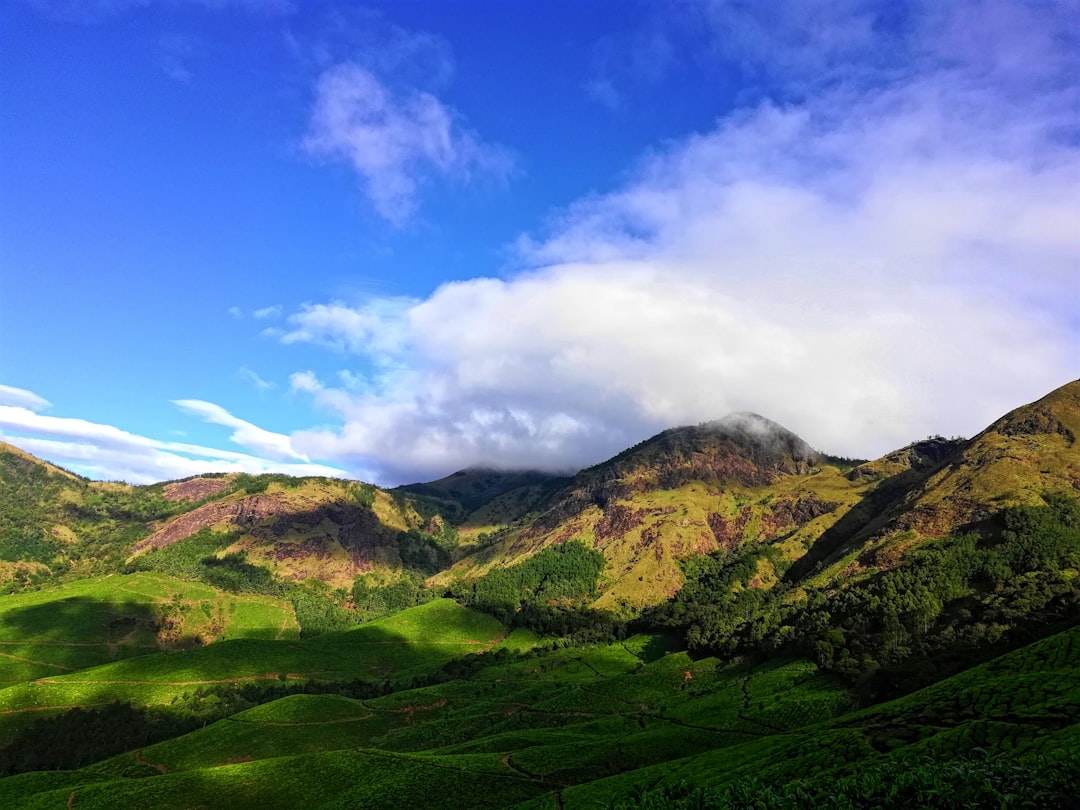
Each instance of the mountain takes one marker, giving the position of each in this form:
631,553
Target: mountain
745,481
480,501
939,487
733,483
682,493
53,522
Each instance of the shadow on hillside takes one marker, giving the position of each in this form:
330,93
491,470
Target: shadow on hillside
862,519
162,695
78,632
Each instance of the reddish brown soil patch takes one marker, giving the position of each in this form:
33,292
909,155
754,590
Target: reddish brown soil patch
729,533
195,489
245,513
618,521
790,512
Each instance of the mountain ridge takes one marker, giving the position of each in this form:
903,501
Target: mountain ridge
719,486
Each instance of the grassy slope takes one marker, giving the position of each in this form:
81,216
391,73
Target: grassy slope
95,621
397,648
643,564
1025,702
578,728
1027,452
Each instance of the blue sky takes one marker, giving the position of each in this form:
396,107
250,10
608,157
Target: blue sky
393,240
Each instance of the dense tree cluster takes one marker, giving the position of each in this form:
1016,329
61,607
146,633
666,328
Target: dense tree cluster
567,573
981,783
947,605
373,596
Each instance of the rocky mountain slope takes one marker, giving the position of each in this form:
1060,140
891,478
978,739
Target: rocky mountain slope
720,486
746,481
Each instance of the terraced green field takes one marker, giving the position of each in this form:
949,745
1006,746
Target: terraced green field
576,728
565,728
396,649
92,622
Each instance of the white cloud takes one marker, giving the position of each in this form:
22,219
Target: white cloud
107,452
253,378
867,266
235,312
245,434
267,312
21,398
376,329
393,140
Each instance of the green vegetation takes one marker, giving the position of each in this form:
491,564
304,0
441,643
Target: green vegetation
316,607
620,725
990,783
374,597
565,573
44,510
947,605
66,628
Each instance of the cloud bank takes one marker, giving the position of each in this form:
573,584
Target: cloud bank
107,452
871,262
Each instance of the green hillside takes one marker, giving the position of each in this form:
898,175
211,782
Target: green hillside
91,622
587,728
393,650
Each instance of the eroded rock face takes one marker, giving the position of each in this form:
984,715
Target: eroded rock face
1032,422
243,513
196,489
796,511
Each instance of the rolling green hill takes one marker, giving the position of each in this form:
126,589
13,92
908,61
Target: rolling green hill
262,647
595,727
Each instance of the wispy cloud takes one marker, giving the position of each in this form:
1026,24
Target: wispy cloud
394,140
107,452
21,398
868,264
253,378
245,434
267,312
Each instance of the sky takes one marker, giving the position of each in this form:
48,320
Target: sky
394,240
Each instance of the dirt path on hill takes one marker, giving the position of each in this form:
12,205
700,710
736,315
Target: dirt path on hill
270,676
357,719
494,642
157,767
32,661
281,630
508,761
51,708
70,644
